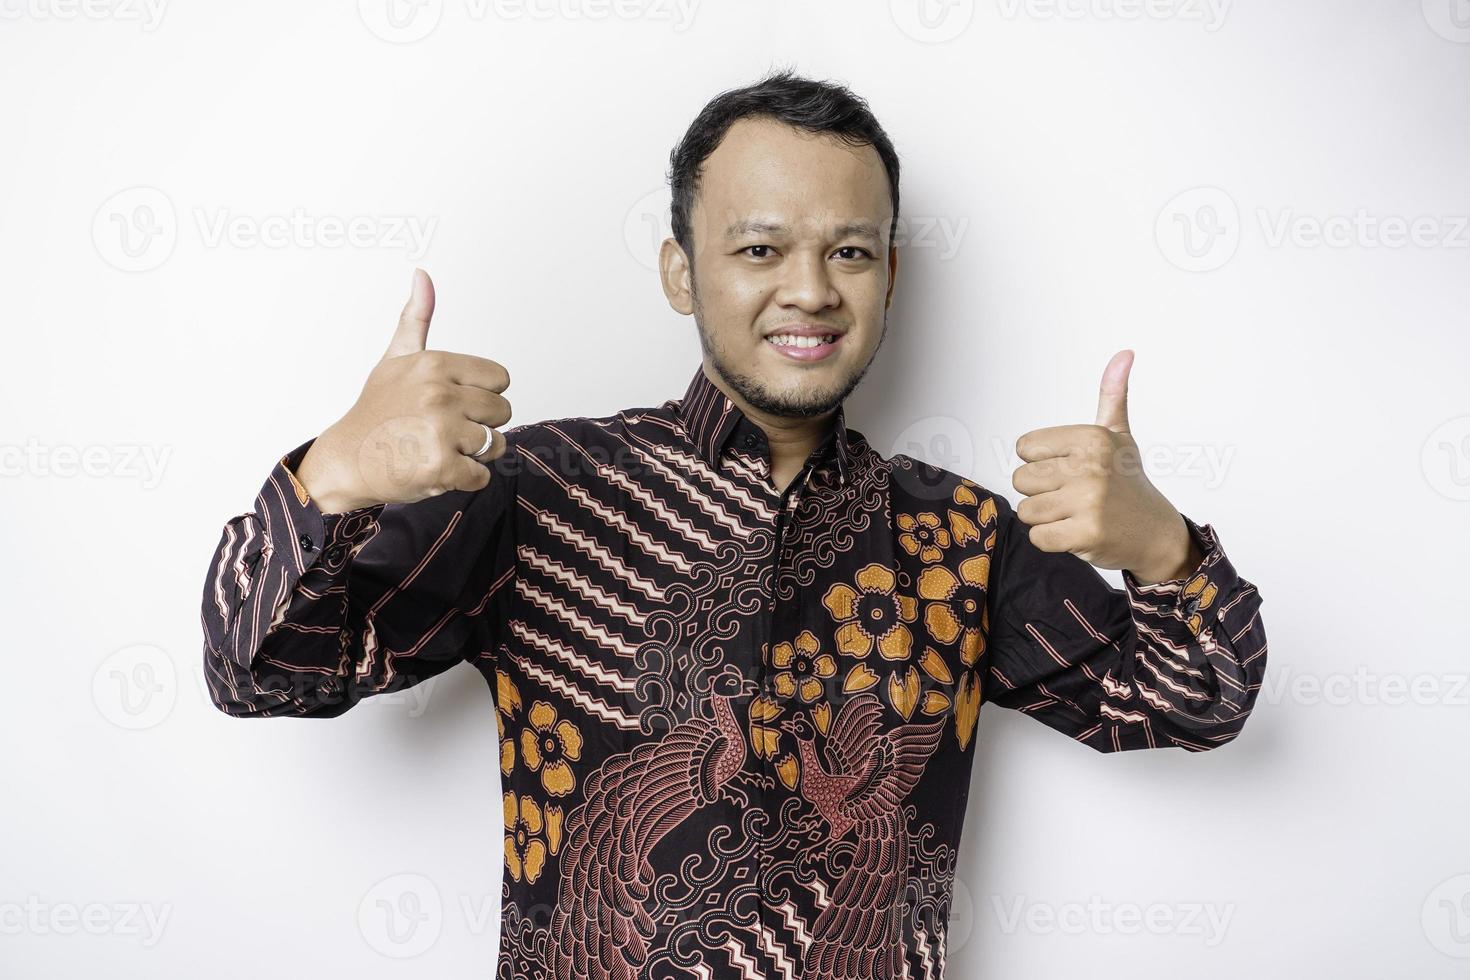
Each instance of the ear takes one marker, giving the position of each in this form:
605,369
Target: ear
892,275
674,274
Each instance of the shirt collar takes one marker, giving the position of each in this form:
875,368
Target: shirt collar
710,417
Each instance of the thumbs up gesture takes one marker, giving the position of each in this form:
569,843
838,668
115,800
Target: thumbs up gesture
1086,492
418,427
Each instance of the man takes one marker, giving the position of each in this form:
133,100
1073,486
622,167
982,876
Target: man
736,655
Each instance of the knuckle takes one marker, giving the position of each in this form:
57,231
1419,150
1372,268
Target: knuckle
434,395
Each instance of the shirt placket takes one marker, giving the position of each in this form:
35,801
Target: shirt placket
785,504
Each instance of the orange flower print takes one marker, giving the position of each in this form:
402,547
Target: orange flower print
547,745
528,835
1202,592
922,535
961,527
967,708
801,668
508,699
952,597
765,737
873,614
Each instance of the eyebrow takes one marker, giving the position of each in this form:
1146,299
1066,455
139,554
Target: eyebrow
753,227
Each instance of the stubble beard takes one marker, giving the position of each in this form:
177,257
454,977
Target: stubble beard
804,403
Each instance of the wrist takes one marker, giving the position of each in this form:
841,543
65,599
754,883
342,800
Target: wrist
325,477
1178,558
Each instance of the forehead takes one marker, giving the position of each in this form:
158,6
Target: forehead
765,170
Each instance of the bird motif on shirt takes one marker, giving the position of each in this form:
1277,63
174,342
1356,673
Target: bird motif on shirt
601,928
868,774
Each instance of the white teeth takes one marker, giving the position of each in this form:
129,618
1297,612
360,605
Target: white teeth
790,340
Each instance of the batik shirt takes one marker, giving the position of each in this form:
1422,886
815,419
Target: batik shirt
736,721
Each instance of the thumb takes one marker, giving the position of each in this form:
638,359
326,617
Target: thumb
412,333
1112,398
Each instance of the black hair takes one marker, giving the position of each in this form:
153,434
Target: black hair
813,106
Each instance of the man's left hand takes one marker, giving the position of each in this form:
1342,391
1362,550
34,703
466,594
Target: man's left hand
1086,492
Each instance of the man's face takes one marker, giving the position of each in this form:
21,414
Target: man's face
790,230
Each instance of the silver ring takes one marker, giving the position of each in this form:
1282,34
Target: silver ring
489,441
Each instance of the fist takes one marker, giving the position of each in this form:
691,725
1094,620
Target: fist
1086,492
417,428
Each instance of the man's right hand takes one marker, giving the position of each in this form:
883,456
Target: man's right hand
413,428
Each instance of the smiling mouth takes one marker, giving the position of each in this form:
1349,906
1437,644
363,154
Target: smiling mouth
800,342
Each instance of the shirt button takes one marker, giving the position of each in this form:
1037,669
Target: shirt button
750,440
334,554
306,543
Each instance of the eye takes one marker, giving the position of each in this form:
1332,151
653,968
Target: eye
749,247
854,248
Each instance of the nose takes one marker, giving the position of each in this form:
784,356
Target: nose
806,283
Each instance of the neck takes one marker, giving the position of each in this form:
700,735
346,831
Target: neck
792,438
808,753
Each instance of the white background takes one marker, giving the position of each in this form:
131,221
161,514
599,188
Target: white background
1307,398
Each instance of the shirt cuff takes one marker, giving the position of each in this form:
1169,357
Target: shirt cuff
332,536
1195,599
